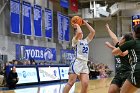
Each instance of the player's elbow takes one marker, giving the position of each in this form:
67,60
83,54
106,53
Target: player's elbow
114,52
92,31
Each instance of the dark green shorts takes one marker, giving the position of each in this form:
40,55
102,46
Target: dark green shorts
134,79
120,78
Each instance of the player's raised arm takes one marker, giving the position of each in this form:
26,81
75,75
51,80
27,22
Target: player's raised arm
112,35
92,31
113,47
78,32
109,45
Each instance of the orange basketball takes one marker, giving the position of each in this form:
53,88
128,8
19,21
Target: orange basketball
76,20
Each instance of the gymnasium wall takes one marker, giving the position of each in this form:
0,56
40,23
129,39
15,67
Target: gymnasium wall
9,40
98,51
1,20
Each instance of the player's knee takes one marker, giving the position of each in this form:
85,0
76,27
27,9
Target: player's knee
70,84
71,81
85,84
112,91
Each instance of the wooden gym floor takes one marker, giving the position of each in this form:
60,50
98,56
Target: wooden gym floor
95,86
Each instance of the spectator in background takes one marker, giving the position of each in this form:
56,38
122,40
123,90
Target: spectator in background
25,62
92,71
10,63
28,62
41,63
15,62
108,71
99,71
103,73
31,59
5,74
45,63
12,78
33,63
19,62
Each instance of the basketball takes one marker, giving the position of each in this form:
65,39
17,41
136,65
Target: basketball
76,20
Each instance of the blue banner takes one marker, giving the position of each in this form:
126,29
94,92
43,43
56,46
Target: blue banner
36,53
15,16
48,23
60,29
66,28
63,27
67,55
135,20
37,20
26,18
64,3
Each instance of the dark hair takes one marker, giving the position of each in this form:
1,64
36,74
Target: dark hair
137,31
13,67
128,36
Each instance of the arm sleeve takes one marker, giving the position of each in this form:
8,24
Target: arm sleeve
127,46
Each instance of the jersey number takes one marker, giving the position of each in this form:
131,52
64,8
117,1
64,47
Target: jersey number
85,50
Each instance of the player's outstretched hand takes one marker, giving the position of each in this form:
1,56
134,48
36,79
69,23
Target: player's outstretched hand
107,26
107,44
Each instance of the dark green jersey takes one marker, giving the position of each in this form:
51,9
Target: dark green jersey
134,50
117,63
123,61
125,65
134,57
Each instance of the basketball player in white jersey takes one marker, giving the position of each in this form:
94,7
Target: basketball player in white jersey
79,67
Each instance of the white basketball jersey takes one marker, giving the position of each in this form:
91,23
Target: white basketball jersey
81,48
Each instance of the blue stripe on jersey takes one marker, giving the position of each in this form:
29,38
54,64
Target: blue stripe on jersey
73,66
76,52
